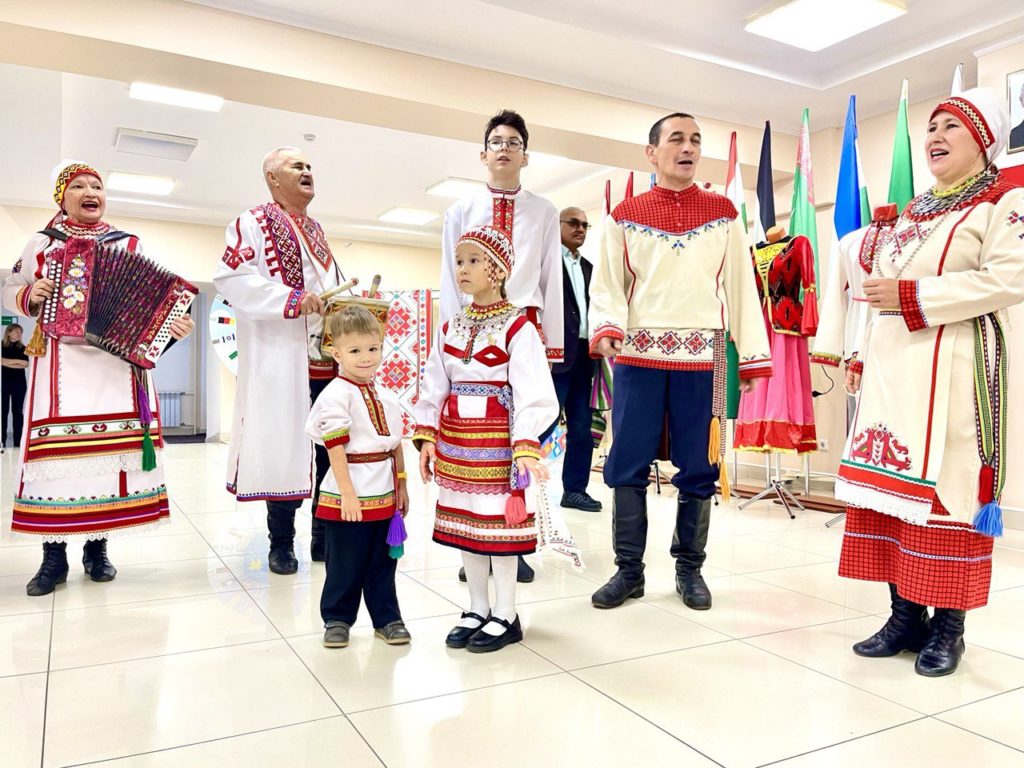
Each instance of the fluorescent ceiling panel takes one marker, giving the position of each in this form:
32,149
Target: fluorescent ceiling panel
412,216
139,183
817,24
175,97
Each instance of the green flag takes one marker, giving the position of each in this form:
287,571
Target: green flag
901,178
802,220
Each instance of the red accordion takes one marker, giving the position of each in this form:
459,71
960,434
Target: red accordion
113,299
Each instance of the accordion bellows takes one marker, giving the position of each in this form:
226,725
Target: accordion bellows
114,299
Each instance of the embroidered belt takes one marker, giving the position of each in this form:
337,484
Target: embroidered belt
503,392
368,458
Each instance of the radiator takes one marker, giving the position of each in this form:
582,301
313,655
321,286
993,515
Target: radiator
170,408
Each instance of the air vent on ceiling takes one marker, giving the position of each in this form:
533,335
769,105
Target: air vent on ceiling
154,144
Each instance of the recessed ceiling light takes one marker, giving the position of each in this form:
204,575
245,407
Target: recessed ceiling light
413,216
455,187
175,97
140,183
816,24
140,201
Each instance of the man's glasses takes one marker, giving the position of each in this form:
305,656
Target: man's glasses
577,224
496,145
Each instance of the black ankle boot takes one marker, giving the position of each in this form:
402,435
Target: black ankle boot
318,544
53,571
945,645
689,541
629,534
94,558
281,528
906,630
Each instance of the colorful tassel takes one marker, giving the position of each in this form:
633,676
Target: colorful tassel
986,483
989,520
145,414
148,451
715,441
396,535
723,481
515,508
37,344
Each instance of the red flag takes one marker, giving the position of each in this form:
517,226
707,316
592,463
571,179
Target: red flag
629,186
608,196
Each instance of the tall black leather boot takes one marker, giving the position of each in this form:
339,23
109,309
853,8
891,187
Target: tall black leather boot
945,645
689,540
281,527
94,558
906,630
53,571
629,534
318,544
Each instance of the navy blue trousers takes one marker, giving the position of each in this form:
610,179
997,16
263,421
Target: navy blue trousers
640,400
573,390
359,566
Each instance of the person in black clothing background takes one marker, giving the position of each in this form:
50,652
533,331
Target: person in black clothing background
14,383
574,377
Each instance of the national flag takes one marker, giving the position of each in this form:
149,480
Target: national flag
765,218
802,219
852,210
734,182
901,177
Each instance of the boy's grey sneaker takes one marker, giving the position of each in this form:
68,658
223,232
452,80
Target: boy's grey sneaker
336,635
394,633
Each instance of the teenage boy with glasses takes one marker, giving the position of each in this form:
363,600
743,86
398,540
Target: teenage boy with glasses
530,221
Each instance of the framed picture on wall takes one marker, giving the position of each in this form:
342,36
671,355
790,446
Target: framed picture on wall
1015,94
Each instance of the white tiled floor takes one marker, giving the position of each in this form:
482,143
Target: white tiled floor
197,656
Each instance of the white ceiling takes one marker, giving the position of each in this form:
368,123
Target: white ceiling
360,170
677,54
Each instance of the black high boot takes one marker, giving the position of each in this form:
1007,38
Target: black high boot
281,525
94,558
317,547
693,521
945,645
53,571
629,535
906,630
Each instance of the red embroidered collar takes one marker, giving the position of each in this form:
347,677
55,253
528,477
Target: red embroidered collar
504,192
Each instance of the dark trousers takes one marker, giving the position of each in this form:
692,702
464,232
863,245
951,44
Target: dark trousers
14,403
573,388
281,514
358,565
642,398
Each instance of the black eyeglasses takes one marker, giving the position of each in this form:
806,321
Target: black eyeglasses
496,145
577,224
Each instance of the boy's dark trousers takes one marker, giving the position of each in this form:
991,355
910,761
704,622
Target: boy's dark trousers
358,565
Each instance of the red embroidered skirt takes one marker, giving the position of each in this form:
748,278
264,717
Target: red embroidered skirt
944,566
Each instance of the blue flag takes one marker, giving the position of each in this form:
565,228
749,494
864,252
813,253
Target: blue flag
849,211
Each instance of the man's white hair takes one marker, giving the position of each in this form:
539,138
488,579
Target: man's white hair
272,160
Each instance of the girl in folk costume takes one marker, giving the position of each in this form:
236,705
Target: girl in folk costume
487,395
89,461
924,465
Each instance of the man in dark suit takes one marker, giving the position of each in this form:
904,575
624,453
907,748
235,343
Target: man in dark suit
574,377
1017,134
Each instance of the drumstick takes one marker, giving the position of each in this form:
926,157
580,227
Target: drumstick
374,286
343,287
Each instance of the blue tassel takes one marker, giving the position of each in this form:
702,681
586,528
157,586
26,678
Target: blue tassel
396,552
989,520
